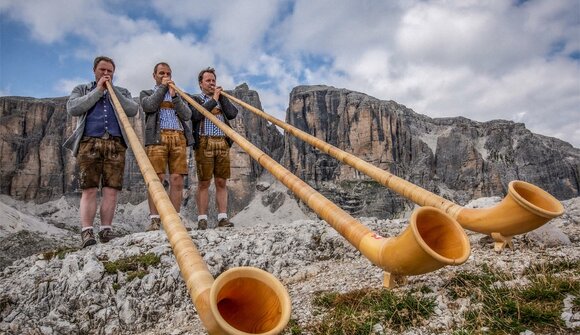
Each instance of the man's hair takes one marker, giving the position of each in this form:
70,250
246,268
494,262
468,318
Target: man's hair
208,69
161,63
102,58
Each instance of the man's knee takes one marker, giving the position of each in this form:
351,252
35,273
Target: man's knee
110,192
90,192
220,182
176,181
203,184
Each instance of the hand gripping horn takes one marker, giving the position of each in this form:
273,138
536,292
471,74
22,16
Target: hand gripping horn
432,240
242,300
525,208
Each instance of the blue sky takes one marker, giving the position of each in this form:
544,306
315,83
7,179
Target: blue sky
483,60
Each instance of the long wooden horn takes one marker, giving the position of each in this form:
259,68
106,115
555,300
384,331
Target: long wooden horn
242,300
525,207
432,240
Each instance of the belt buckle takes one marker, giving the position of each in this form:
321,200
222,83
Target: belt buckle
106,136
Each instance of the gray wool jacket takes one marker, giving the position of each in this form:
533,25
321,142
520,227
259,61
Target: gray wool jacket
150,101
83,98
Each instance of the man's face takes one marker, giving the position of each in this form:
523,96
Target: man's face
104,68
162,71
207,83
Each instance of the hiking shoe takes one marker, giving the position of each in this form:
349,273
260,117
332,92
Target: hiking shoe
106,235
155,224
225,223
88,238
202,224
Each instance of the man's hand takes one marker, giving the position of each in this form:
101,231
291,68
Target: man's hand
101,84
217,92
166,81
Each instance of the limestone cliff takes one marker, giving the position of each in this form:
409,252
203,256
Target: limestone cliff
35,166
455,157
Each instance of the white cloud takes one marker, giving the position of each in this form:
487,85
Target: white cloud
136,57
66,85
481,60
51,21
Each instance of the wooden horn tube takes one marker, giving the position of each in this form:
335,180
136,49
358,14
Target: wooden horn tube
432,240
242,300
525,208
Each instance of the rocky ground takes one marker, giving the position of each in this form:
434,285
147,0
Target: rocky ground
42,294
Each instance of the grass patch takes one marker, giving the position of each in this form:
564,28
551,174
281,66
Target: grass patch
60,253
534,306
356,312
555,267
135,266
500,303
132,263
294,328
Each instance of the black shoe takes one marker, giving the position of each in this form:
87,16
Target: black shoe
202,224
88,238
106,235
225,223
155,224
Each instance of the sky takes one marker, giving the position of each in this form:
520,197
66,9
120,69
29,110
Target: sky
503,59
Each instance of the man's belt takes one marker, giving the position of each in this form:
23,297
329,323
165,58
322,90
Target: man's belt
106,136
167,105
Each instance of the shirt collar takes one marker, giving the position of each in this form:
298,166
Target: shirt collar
205,97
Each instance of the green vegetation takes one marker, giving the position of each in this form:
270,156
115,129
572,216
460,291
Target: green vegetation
135,266
554,267
60,253
294,328
358,311
500,303
508,309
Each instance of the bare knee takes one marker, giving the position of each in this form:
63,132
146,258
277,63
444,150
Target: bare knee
110,192
220,183
176,181
203,185
90,193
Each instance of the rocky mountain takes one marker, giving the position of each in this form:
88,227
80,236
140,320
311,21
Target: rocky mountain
132,285
35,167
457,158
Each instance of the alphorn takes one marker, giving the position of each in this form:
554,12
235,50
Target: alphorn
432,240
525,207
242,300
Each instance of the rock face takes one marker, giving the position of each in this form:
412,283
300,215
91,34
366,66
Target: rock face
457,158
78,292
36,167
244,170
